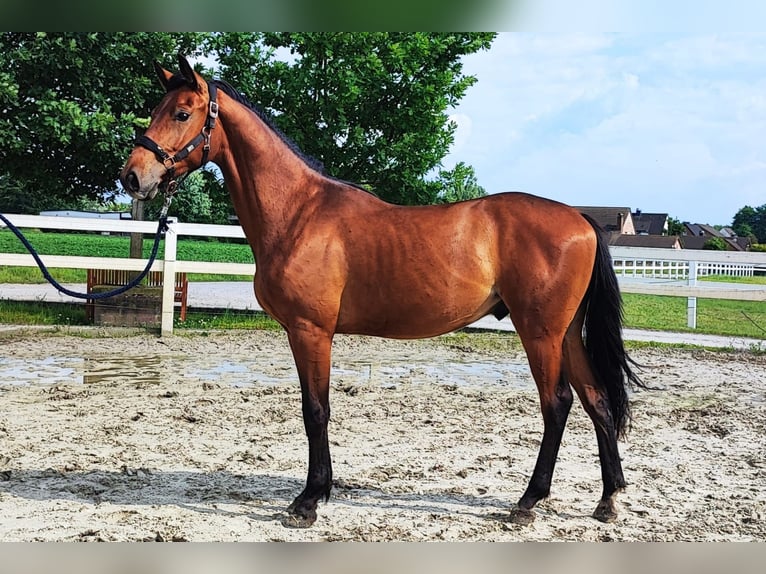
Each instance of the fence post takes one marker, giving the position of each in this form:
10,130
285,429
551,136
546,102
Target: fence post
169,279
691,305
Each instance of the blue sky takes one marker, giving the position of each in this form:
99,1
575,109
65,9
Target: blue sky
671,123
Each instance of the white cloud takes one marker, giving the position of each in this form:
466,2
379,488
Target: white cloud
677,17
674,125
709,52
631,80
462,131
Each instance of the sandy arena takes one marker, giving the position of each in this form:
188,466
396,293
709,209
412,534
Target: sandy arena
127,437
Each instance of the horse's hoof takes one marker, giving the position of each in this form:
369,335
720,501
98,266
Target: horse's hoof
522,517
295,521
605,511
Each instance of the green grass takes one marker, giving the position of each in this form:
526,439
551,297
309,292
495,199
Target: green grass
754,280
714,316
29,275
661,313
73,314
227,319
69,244
26,313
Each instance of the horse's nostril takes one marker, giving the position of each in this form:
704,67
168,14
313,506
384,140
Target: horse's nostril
132,182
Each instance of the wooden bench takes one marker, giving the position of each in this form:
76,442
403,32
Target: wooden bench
120,277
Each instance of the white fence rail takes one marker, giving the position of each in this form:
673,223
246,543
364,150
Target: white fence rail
640,270
650,263
675,272
169,265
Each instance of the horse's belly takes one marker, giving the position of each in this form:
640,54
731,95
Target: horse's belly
408,319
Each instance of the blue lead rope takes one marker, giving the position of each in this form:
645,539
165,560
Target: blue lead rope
162,227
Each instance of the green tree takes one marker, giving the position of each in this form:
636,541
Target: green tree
715,244
69,103
459,184
751,222
675,226
202,198
372,107
15,198
744,230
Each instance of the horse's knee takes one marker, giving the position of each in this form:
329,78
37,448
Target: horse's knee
316,415
565,398
558,404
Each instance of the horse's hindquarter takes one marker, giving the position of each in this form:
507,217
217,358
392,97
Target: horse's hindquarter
548,250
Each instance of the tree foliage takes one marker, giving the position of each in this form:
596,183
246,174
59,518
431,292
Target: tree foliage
715,244
202,198
372,107
459,184
68,105
751,222
675,226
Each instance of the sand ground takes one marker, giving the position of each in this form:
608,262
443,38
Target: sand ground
125,437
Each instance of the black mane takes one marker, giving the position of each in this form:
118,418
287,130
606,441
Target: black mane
179,81
268,119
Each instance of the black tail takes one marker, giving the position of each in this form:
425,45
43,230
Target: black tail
603,334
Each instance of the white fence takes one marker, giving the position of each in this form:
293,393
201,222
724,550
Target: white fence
649,263
675,272
640,270
169,265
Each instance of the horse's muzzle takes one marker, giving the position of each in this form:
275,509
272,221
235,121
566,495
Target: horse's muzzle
132,185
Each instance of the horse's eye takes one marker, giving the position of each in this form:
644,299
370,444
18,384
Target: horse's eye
182,116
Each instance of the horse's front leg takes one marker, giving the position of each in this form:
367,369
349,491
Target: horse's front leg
311,347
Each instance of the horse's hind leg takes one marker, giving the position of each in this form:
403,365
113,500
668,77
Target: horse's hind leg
545,357
595,400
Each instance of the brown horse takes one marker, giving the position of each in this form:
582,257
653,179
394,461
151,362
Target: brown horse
332,258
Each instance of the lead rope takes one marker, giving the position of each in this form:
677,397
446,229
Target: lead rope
162,227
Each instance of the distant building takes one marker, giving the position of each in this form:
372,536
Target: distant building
696,235
639,229
656,241
614,219
650,223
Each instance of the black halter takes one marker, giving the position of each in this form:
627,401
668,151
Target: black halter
169,161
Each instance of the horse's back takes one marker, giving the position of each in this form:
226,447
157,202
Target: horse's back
422,271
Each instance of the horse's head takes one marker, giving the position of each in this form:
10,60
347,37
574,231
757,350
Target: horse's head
178,138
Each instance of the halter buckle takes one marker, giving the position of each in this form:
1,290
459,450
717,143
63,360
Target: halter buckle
166,203
169,191
213,112
206,138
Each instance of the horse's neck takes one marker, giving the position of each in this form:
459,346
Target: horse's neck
267,181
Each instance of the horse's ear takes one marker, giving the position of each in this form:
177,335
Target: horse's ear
187,71
162,74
